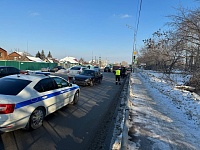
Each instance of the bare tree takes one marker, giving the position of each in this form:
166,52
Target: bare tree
187,25
163,51
81,61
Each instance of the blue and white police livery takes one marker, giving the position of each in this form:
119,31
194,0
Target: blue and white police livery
26,99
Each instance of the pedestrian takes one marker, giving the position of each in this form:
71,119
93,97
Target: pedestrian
117,76
123,72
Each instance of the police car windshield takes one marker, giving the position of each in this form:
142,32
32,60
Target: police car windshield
10,86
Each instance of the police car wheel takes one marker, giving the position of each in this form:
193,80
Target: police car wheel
76,98
36,118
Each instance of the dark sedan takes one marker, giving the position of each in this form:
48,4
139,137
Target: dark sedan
55,69
8,70
107,69
88,77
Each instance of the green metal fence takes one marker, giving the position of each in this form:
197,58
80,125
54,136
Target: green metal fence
23,65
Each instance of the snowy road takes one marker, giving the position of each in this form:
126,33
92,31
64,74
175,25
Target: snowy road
156,122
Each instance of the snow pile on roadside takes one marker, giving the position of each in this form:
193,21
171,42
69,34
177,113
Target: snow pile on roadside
162,117
183,103
187,102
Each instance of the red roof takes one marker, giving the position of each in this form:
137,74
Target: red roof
3,49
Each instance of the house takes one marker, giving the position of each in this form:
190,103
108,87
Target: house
51,60
17,56
23,56
3,54
69,61
34,59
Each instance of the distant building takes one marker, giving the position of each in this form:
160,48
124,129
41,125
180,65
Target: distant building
93,62
3,54
69,61
34,59
23,56
124,63
51,60
72,60
20,56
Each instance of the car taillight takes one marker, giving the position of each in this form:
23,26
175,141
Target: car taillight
68,71
79,72
7,108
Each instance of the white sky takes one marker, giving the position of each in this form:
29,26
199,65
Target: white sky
162,115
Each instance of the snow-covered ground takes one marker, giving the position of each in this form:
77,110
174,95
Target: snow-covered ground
161,116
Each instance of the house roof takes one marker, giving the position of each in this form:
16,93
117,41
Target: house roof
72,60
52,60
24,53
3,49
35,59
15,53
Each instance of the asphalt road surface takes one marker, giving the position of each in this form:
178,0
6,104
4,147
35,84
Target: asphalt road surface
74,127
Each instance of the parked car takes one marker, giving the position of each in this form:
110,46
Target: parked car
27,98
55,69
97,68
88,77
45,69
8,70
75,70
107,69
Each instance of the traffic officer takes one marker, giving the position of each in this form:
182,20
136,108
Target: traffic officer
117,76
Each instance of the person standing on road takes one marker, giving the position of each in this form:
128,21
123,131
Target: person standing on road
117,76
123,72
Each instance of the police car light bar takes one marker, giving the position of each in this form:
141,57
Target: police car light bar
38,73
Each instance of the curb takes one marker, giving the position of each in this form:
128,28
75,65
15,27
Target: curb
120,132
126,120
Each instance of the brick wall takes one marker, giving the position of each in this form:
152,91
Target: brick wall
3,54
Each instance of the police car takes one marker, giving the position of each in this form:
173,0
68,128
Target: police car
25,99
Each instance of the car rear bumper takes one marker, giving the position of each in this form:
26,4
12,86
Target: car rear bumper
7,126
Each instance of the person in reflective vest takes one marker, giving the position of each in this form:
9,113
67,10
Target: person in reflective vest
117,76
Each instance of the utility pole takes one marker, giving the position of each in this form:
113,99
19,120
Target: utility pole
135,35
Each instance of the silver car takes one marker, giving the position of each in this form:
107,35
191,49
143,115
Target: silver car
75,70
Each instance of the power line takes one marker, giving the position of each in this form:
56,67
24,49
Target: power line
138,21
135,32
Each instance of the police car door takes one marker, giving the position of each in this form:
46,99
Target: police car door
64,89
48,91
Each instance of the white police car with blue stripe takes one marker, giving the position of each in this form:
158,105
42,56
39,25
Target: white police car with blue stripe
25,99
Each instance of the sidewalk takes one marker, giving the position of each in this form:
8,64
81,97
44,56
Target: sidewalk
155,122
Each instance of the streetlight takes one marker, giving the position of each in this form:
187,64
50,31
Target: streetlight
134,47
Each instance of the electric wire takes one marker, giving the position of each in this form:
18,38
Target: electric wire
138,21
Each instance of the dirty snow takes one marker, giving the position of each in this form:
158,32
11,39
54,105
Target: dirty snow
162,117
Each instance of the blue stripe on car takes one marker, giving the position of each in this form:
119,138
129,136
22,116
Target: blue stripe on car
42,98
